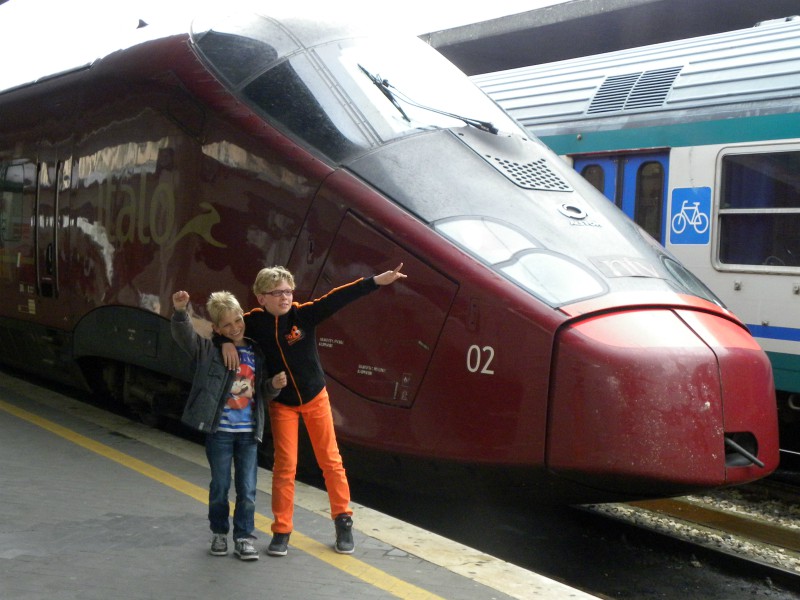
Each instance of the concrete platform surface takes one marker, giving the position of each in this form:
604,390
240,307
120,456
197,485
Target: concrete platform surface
98,507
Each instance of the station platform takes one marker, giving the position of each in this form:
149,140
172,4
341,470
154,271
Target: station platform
95,506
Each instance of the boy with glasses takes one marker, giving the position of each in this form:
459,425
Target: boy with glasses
286,331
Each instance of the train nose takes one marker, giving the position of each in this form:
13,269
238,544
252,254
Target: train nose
643,401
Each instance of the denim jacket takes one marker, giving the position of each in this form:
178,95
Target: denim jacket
212,381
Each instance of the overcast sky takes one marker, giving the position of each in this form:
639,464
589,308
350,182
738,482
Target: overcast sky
421,16
65,33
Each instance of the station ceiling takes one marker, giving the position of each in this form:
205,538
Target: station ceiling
584,27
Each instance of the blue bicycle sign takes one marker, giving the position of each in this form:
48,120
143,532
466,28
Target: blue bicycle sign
691,210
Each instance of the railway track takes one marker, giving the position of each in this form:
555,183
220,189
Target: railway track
753,530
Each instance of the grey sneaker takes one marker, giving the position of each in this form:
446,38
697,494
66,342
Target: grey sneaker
344,534
245,550
279,545
219,544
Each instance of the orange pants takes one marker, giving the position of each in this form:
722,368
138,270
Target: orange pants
318,420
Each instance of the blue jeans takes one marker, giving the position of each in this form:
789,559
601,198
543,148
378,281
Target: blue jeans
223,447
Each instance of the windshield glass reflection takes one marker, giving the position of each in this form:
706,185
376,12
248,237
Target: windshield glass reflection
331,95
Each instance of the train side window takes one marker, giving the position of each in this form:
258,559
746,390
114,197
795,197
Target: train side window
595,175
17,198
759,213
14,179
649,195
306,107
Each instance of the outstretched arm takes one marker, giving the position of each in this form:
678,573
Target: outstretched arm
181,325
318,310
390,277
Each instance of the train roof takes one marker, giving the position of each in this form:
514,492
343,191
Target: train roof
755,69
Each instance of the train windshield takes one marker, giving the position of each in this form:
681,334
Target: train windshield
346,95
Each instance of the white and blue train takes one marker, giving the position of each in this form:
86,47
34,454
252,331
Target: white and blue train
698,141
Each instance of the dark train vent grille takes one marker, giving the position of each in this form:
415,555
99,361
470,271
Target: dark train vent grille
613,92
634,90
533,175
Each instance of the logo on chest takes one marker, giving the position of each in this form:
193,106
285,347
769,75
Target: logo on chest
294,336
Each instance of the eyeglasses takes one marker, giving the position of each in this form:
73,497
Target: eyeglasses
279,293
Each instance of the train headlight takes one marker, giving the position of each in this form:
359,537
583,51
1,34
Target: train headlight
551,276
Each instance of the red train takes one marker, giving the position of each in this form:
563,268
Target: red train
542,340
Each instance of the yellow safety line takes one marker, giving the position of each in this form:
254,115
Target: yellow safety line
350,565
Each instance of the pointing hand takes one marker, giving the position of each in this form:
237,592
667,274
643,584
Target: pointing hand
390,276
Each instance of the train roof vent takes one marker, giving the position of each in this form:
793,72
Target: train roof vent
634,90
652,88
534,175
612,94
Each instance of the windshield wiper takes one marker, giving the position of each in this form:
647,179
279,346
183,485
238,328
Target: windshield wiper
384,85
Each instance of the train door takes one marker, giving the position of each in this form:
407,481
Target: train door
45,234
376,348
29,235
52,187
601,172
637,183
30,224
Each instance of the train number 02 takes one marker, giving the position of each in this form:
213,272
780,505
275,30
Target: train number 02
479,359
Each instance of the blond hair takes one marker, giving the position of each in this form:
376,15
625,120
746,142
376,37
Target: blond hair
269,278
220,303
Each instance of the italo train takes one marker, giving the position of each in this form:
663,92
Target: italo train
698,141
542,341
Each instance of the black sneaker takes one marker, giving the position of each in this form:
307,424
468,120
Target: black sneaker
219,545
245,550
279,545
344,534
